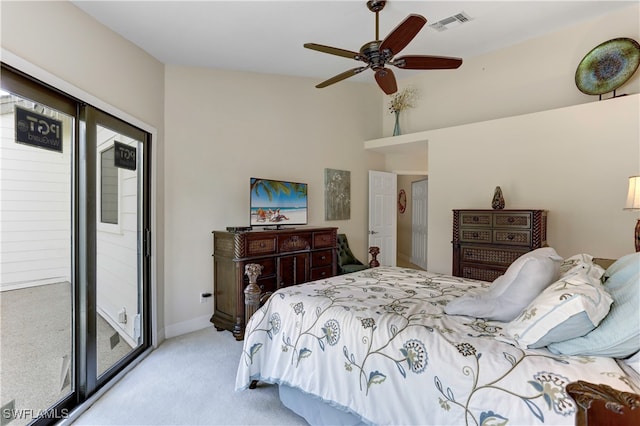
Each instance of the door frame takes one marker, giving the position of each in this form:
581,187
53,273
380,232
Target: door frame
25,67
85,392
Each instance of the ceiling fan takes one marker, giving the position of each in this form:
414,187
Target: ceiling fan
379,53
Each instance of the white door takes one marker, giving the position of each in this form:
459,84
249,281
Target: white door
419,191
382,215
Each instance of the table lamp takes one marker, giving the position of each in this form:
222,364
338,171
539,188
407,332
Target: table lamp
633,203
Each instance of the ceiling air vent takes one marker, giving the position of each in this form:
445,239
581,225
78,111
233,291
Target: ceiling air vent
451,21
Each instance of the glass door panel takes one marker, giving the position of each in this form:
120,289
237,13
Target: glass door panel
37,360
119,242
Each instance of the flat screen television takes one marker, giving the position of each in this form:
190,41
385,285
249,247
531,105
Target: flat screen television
277,203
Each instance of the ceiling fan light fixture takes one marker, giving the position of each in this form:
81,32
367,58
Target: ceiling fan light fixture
377,54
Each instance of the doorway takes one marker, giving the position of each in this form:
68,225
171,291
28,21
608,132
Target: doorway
419,220
411,222
75,257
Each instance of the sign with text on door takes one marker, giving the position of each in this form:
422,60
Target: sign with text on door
124,156
38,130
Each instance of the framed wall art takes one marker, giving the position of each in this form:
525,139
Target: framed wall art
337,194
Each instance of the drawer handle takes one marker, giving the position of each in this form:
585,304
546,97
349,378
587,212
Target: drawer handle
511,220
262,245
323,274
323,257
475,235
476,218
510,237
262,287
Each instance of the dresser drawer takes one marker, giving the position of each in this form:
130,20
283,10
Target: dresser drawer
321,258
473,218
490,255
322,272
259,246
324,239
512,237
291,243
486,242
471,235
482,273
512,220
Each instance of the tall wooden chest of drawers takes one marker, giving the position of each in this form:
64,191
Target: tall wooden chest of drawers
486,242
287,256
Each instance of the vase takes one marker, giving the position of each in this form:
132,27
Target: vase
396,128
498,199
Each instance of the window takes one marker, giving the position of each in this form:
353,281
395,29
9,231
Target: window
108,187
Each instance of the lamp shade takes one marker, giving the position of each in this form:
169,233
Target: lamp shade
633,197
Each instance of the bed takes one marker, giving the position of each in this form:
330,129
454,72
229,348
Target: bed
378,346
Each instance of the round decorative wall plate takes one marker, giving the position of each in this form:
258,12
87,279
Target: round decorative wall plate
608,66
402,201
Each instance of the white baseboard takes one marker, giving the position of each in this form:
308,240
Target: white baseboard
188,326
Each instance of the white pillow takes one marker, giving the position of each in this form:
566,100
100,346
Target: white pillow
510,293
581,262
571,307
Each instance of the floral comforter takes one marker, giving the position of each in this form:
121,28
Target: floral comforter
377,343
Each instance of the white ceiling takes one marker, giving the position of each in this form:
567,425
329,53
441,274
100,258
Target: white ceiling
267,36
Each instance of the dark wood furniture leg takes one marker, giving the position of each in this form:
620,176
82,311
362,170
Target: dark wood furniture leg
252,291
252,297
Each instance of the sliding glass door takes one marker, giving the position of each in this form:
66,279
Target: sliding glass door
74,250
120,238
36,254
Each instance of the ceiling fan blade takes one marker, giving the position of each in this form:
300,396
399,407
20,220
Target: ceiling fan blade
341,77
386,80
424,62
403,34
332,50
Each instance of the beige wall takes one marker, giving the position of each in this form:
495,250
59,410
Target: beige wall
62,46
573,162
535,75
221,129
224,127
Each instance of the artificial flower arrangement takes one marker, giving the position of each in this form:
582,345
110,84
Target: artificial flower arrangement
400,101
403,100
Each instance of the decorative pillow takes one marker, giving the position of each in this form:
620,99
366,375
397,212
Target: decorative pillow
580,263
510,293
571,307
627,264
618,335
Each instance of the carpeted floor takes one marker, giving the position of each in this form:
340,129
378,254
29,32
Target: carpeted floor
189,380
35,336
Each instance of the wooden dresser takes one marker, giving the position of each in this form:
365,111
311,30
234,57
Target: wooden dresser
486,242
601,405
287,256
